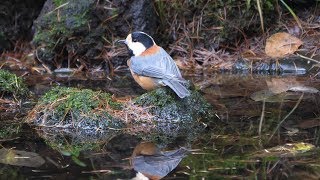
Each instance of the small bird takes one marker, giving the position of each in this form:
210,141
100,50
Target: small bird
151,66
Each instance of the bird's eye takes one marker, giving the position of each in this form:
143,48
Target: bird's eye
134,40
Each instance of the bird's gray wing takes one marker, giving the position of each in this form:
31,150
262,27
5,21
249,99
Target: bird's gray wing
145,66
170,66
160,65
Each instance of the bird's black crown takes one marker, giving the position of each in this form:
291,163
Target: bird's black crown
143,38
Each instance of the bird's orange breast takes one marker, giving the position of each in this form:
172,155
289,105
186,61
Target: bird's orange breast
150,51
147,83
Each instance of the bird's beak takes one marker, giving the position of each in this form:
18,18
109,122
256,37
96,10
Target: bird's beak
121,41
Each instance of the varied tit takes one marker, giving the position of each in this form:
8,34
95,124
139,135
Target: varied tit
151,66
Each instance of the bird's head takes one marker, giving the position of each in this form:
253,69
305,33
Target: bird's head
138,42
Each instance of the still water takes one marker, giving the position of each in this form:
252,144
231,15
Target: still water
264,127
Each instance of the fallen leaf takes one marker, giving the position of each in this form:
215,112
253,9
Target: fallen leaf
281,44
20,158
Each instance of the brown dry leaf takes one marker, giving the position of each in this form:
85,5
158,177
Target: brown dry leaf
281,44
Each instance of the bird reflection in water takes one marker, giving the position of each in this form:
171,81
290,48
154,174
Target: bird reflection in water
151,163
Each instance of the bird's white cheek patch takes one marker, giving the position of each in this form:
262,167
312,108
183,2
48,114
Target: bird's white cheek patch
136,47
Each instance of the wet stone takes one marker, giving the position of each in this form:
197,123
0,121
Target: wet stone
291,65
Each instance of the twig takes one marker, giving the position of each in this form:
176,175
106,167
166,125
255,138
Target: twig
294,108
62,5
43,64
262,117
307,58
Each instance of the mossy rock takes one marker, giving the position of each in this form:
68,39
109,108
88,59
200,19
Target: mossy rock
12,85
171,117
60,29
76,110
159,116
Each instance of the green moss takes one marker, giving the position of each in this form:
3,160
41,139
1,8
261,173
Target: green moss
9,130
11,84
160,97
77,100
52,33
165,97
59,2
75,108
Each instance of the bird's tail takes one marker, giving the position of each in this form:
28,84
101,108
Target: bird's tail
178,88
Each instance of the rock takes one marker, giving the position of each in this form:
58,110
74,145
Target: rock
143,16
288,65
16,18
60,28
168,117
139,15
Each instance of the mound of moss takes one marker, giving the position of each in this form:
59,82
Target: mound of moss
171,117
76,109
12,85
